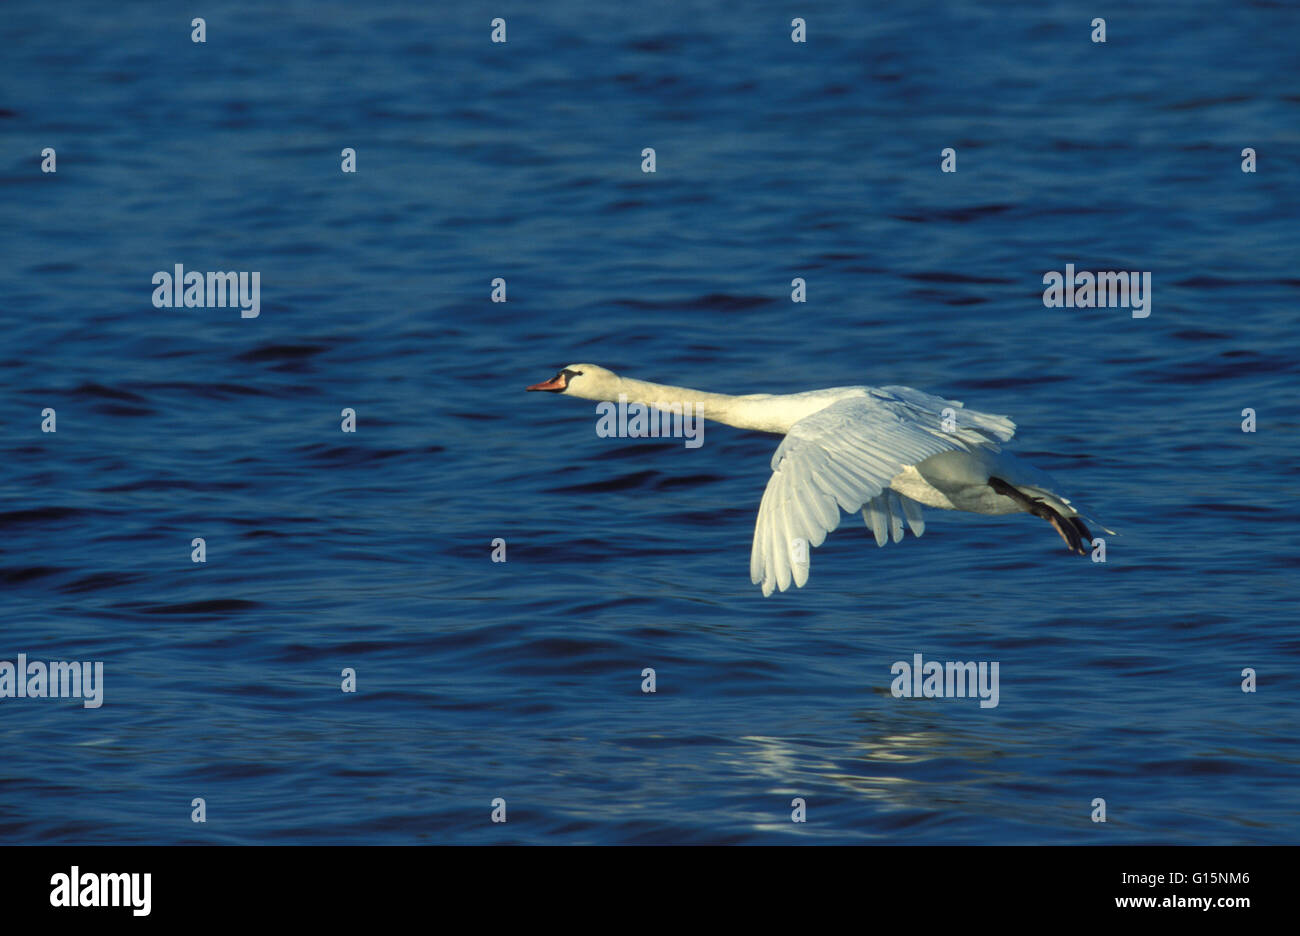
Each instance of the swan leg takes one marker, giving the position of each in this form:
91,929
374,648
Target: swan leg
1072,531
1082,528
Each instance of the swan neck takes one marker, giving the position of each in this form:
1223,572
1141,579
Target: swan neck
738,411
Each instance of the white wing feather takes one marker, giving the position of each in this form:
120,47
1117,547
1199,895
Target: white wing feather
844,457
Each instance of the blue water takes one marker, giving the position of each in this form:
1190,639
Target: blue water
522,679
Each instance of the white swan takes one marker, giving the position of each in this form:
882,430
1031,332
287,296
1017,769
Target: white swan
882,450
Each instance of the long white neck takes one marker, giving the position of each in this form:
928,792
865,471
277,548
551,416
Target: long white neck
763,412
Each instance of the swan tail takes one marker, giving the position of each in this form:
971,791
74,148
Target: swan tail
1065,508
1056,510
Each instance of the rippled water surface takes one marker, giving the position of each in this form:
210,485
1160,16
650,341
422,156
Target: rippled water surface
522,679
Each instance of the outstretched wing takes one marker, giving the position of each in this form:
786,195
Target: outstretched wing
845,456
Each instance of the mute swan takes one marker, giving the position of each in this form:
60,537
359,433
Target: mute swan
883,450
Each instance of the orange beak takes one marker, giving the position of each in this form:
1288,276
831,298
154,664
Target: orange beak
555,384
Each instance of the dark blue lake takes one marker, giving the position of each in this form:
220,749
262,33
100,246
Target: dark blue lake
522,160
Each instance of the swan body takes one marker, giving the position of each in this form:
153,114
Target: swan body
884,451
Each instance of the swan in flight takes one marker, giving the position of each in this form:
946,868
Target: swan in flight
886,451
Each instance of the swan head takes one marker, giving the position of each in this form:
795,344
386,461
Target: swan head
582,380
